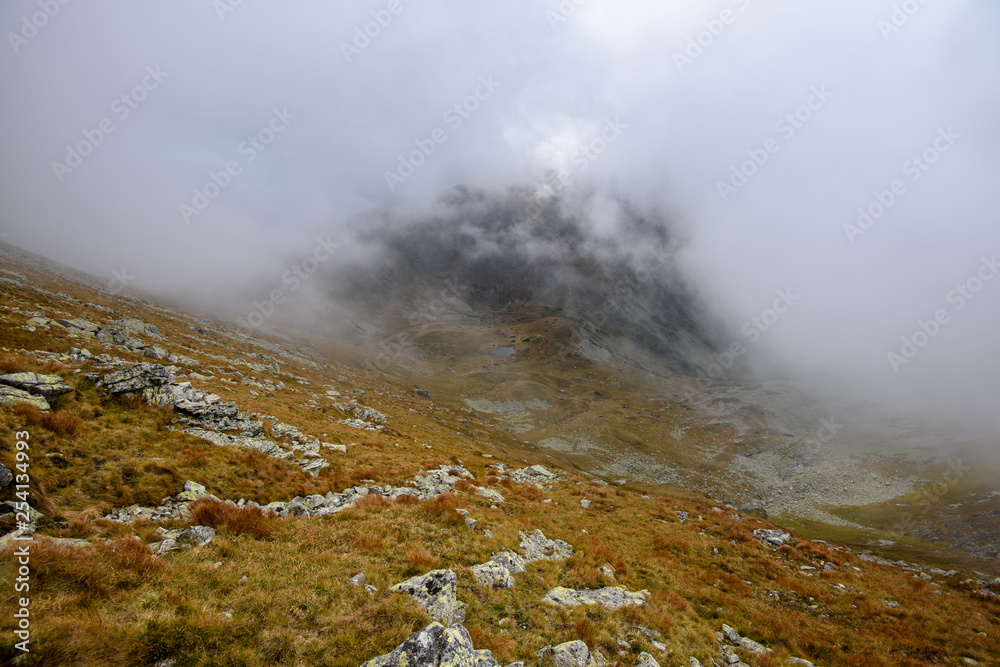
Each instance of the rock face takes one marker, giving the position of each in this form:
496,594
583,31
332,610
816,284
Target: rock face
492,575
13,396
571,654
436,646
47,386
436,593
151,382
535,546
612,598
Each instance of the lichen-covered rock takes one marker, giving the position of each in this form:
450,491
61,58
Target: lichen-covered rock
492,575
646,660
151,382
47,386
535,546
613,597
571,654
138,327
13,396
436,646
513,561
436,593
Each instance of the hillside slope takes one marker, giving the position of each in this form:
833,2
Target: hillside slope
401,461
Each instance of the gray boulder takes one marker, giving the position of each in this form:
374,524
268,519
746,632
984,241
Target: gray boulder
535,546
774,538
612,597
646,660
436,646
571,654
138,327
47,386
436,593
13,396
151,382
492,575
5,476
512,561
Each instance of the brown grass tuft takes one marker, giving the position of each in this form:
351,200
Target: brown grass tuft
63,422
237,520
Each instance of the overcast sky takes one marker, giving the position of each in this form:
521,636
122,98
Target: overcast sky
829,100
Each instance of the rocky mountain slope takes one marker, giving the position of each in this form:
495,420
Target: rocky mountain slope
452,489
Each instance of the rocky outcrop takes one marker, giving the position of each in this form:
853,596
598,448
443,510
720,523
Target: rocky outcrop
436,593
204,414
14,396
173,540
46,386
535,546
612,598
150,382
571,654
436,646
774,538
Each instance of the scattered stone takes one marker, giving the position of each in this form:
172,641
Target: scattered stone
6,477
138,327
435,646
608,571
612,597
489,494
357,580
535,546
492,575
735,639
537,474
774,538
585,503
47,386
436,593
571,654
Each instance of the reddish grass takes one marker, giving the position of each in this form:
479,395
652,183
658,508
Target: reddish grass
237,520
63,422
